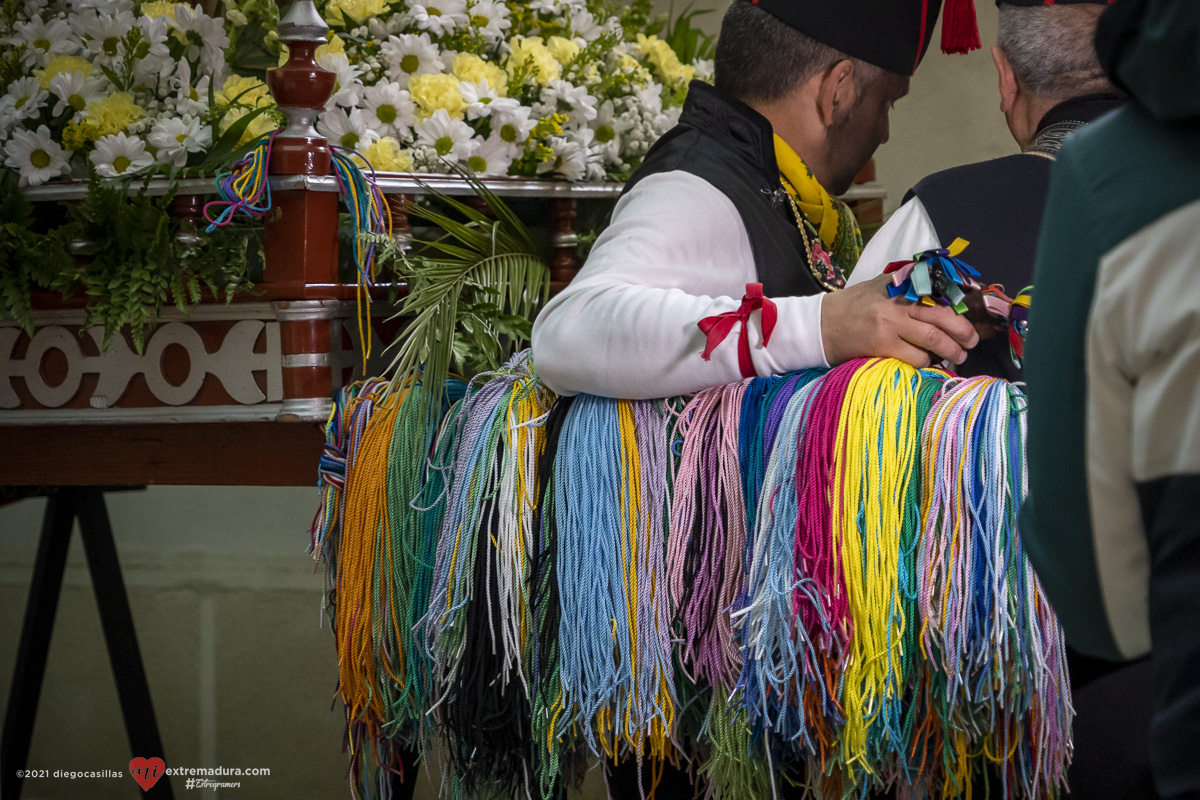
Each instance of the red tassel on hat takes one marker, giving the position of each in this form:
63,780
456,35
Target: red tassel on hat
960,30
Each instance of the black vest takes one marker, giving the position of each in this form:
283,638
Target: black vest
997,206
732,146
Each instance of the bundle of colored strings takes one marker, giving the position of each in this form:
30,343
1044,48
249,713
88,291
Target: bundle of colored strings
824,566
244,188
370,218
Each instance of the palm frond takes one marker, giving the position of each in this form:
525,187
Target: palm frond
466,290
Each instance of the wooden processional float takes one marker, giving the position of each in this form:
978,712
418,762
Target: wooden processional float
237,384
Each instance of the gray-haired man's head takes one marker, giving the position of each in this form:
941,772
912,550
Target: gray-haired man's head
1051,49
1045,55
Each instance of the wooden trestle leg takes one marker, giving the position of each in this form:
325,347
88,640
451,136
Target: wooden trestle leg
62,508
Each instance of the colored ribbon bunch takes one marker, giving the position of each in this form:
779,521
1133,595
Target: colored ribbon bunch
813,575
934,276
1013,315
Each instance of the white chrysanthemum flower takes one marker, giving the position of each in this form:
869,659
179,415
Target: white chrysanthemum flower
347,89
439,17
574,101
570,156
451,138
553,7
410,54
511,121
102,34
346,129
189,99
205,36
43,39
585,26
154,62
608,127
389,110
490,19
650,97
492,157
117,154
478,97
704,69
74,91
28,97
175,137
8,117
36,155
395,24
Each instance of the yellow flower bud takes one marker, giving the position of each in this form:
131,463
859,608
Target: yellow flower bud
431,92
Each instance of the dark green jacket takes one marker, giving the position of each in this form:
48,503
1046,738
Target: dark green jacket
1113,367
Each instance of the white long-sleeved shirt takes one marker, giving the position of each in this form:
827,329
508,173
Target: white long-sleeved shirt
675,253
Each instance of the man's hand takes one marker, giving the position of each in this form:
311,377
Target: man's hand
862,321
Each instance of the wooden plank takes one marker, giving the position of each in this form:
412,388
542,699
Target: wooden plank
220,454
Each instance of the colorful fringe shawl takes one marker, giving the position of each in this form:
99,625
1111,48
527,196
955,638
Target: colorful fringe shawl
813,577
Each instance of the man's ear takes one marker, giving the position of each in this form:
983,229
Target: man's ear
837,92
1009,87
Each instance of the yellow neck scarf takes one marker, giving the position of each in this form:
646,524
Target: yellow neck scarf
814,201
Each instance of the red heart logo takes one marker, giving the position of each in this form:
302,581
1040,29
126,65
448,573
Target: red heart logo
147,771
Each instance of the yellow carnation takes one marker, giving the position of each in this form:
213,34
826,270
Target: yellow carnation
562,49
386,155
249,92
159,8
114,113
526,48
473,69
59,64
662,57
258,127
337,11
431,92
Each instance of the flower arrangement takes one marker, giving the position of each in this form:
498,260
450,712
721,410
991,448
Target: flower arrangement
568,88
115,91
121,88
575,89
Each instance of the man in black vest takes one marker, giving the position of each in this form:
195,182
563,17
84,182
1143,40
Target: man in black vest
1050,85
740,199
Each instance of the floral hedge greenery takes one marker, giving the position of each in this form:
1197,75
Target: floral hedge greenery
575,89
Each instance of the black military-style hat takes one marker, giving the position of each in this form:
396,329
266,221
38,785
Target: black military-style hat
892,34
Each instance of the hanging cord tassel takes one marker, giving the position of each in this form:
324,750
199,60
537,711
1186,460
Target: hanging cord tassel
244,187
779,659
877,437
371,219
706,553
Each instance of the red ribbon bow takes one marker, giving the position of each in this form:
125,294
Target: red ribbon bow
718,327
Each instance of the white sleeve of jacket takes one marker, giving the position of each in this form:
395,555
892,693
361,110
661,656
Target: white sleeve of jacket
907,232
675,253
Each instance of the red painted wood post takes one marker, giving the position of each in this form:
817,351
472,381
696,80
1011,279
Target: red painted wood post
301,229
564,263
